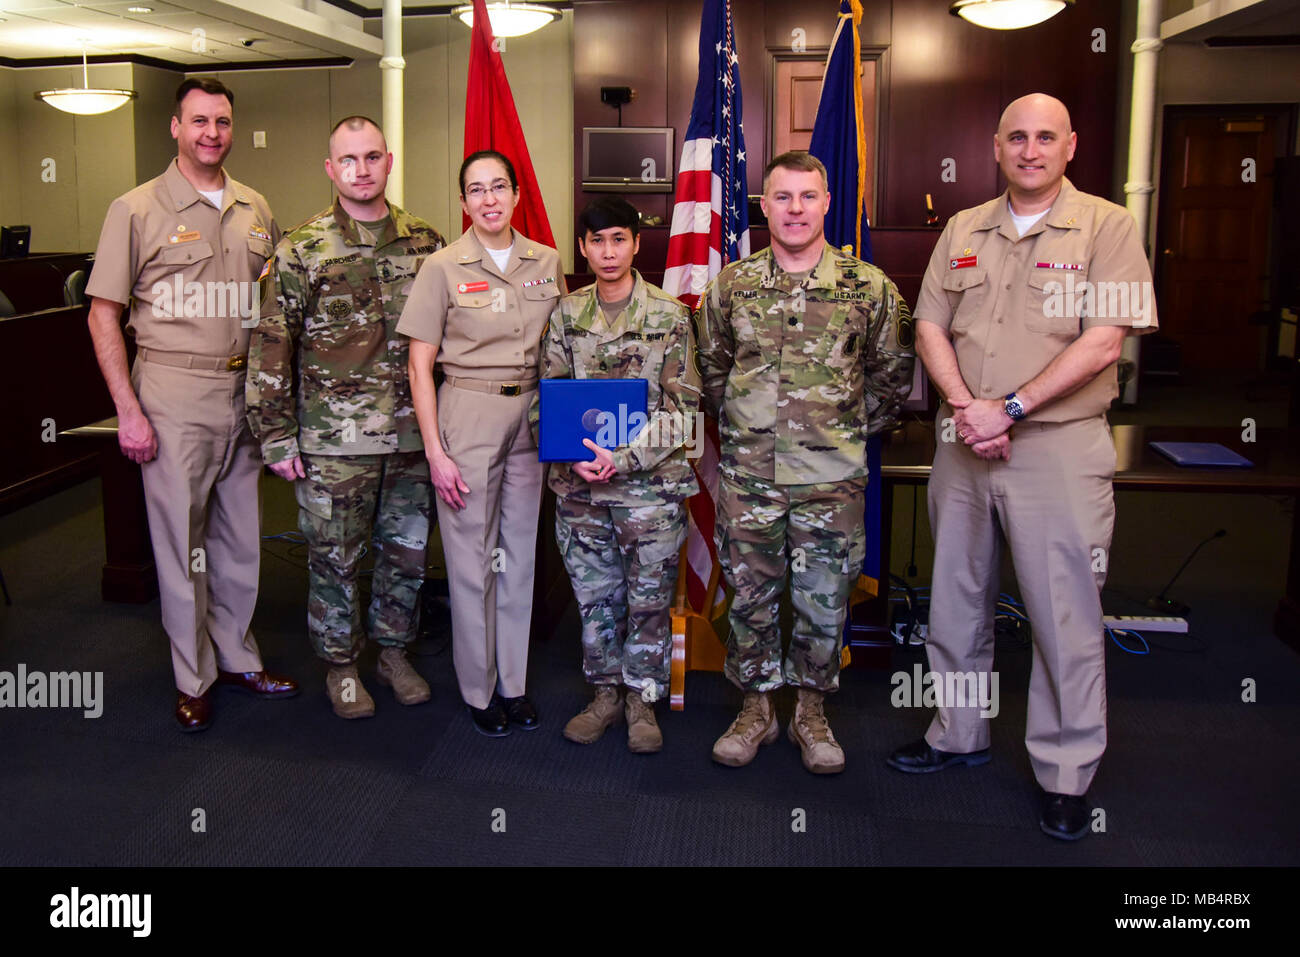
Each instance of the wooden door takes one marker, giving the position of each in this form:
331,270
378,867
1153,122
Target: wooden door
1215,199
796,90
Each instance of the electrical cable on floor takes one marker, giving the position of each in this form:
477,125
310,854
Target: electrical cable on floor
1114,633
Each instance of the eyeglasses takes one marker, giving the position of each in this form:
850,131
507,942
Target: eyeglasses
496,189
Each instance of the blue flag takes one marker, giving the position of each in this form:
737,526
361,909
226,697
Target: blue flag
839,138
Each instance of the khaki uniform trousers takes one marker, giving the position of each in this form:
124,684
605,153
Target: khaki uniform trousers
489,545
1054,506
202,496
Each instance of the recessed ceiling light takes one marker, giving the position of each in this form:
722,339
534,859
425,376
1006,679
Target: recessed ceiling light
139,9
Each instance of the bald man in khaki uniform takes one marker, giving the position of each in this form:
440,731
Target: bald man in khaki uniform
187,249
481,322
1022,313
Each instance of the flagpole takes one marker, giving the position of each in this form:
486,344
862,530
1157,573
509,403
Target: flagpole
392,67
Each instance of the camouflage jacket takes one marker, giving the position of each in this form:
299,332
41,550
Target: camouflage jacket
326,366
650,339
800,373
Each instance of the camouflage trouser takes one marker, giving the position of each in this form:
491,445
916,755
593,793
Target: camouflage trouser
814,530
623,565
341,502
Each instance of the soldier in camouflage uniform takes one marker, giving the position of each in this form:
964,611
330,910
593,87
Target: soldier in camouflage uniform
329,400
620,518
805,352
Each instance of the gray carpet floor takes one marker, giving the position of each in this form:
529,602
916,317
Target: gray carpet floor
1192,776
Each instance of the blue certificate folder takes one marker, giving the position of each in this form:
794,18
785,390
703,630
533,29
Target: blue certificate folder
1202,455
610,412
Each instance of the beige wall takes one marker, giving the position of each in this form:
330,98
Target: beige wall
99,158
290,171
154,146
9,189
93,158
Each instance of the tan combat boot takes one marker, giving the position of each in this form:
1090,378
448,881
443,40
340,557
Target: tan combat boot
809,730
643,734
755,724
395,670
347,694
604,710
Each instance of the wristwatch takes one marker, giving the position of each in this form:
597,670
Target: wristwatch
1013,407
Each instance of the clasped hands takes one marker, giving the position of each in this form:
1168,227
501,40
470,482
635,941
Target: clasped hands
982,424
600,469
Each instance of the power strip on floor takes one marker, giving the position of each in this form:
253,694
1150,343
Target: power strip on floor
1146,623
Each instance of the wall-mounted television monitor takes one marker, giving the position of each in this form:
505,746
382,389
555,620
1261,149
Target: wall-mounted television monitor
14,241
627,159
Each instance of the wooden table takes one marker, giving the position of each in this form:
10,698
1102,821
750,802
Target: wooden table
907,456
129,574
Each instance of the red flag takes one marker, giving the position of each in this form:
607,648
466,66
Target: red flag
492,123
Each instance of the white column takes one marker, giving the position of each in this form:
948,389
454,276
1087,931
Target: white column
1141,133
392,66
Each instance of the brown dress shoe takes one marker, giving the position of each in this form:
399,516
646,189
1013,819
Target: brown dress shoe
260,683
194,714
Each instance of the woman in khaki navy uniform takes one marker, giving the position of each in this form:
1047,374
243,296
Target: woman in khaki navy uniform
478,310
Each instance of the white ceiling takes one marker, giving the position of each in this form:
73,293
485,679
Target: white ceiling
196,33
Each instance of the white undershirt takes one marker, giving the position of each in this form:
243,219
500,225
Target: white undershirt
501,256
215,197
1024,222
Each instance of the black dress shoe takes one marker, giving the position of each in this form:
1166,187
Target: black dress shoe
520,712
919,758
1065,817
490,721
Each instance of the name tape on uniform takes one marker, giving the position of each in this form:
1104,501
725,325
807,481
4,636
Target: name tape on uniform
185,237
965,262
480,286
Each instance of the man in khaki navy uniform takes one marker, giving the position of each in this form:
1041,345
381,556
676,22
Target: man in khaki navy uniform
329,401
1025,359
478,310
186,249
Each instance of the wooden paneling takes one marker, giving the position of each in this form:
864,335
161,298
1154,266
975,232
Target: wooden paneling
1057,57
620,44
944,102
55,385
942,85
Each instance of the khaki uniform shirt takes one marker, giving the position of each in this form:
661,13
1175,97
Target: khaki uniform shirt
1014,303
800,372
326,366
486,323
189,271
649,339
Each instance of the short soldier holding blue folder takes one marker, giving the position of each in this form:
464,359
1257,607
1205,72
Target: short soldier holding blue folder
620,518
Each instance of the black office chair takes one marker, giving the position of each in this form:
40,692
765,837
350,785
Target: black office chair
74,288
6,307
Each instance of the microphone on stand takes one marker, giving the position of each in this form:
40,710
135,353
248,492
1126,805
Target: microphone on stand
1168,606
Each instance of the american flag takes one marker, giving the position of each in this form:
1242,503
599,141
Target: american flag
710,229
